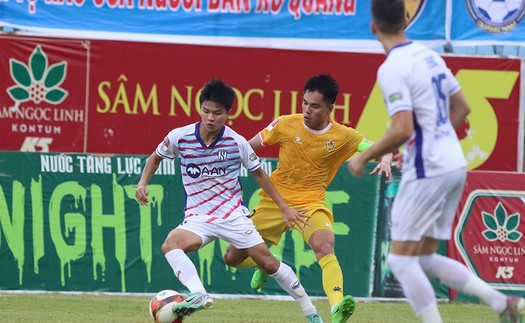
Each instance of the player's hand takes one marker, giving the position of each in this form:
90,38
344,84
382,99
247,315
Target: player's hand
398,160
357,165
382,168
293,218
141,194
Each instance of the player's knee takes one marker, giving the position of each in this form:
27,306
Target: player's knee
232,257
271,266
166,247
323,250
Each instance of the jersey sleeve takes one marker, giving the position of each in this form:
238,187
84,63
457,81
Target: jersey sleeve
249,158
453,83
168,147
272,133
394,85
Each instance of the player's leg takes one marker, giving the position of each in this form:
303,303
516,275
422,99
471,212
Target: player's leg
241,233
320,237
187,238
403,261
417,205
285,277
268,220
451,272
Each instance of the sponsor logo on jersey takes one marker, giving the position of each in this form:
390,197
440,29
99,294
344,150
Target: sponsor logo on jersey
329,145
194,171
395,96
253,157
165,144
272,125
222,154
297,140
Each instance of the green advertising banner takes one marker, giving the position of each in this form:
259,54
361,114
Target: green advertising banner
70,222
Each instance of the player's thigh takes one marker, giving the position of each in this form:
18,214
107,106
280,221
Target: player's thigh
239,232
205,231
453,186
268,220
320,220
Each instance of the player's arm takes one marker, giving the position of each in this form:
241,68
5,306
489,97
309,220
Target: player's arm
384,166
459,109
141,193
400,130
256,142
291,217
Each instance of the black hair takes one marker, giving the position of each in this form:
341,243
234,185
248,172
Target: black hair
389,16
324,84
217,91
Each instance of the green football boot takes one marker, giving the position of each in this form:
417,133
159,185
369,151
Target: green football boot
343,310
193,303
259,278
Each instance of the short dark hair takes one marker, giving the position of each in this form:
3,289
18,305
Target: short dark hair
389,15
324,84
217,91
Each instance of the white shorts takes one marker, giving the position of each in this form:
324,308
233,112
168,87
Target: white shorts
426,207
240,232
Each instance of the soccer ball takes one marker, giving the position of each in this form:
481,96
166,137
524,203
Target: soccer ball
161,304
499,11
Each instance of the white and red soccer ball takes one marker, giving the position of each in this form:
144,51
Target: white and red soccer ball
161,304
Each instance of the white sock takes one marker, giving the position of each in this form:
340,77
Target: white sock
416,286
289,282
430,315
479,288
455,275
185,270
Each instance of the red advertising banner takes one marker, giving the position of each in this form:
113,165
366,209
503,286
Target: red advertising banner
489,227
43,94
135,92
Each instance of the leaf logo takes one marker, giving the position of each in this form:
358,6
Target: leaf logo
36,81
501,226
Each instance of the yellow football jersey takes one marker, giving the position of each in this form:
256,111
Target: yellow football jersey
308,159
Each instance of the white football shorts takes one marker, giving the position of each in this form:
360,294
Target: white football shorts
426,207
240,231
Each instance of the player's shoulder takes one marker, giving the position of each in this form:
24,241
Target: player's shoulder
291,118
344,131
184,130
230,133
338,127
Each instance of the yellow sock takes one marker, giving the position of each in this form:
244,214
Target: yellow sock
247,263
332,279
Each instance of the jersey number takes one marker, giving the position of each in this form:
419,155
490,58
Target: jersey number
441,99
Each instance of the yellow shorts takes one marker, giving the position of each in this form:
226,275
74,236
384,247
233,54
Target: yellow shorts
269,221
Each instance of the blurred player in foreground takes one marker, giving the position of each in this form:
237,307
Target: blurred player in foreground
312,147
426,105
211,155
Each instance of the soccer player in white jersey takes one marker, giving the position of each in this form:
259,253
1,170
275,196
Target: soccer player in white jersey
425,104
211,155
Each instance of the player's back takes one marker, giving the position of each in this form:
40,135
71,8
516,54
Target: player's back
424,85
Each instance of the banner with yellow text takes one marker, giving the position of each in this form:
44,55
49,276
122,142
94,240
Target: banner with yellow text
97,96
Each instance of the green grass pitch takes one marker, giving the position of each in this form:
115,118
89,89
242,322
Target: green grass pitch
55,307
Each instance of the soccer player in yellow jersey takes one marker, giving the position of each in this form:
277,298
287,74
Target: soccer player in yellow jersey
312,148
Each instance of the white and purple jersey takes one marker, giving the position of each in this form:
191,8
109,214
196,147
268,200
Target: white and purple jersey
210,174
417,79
